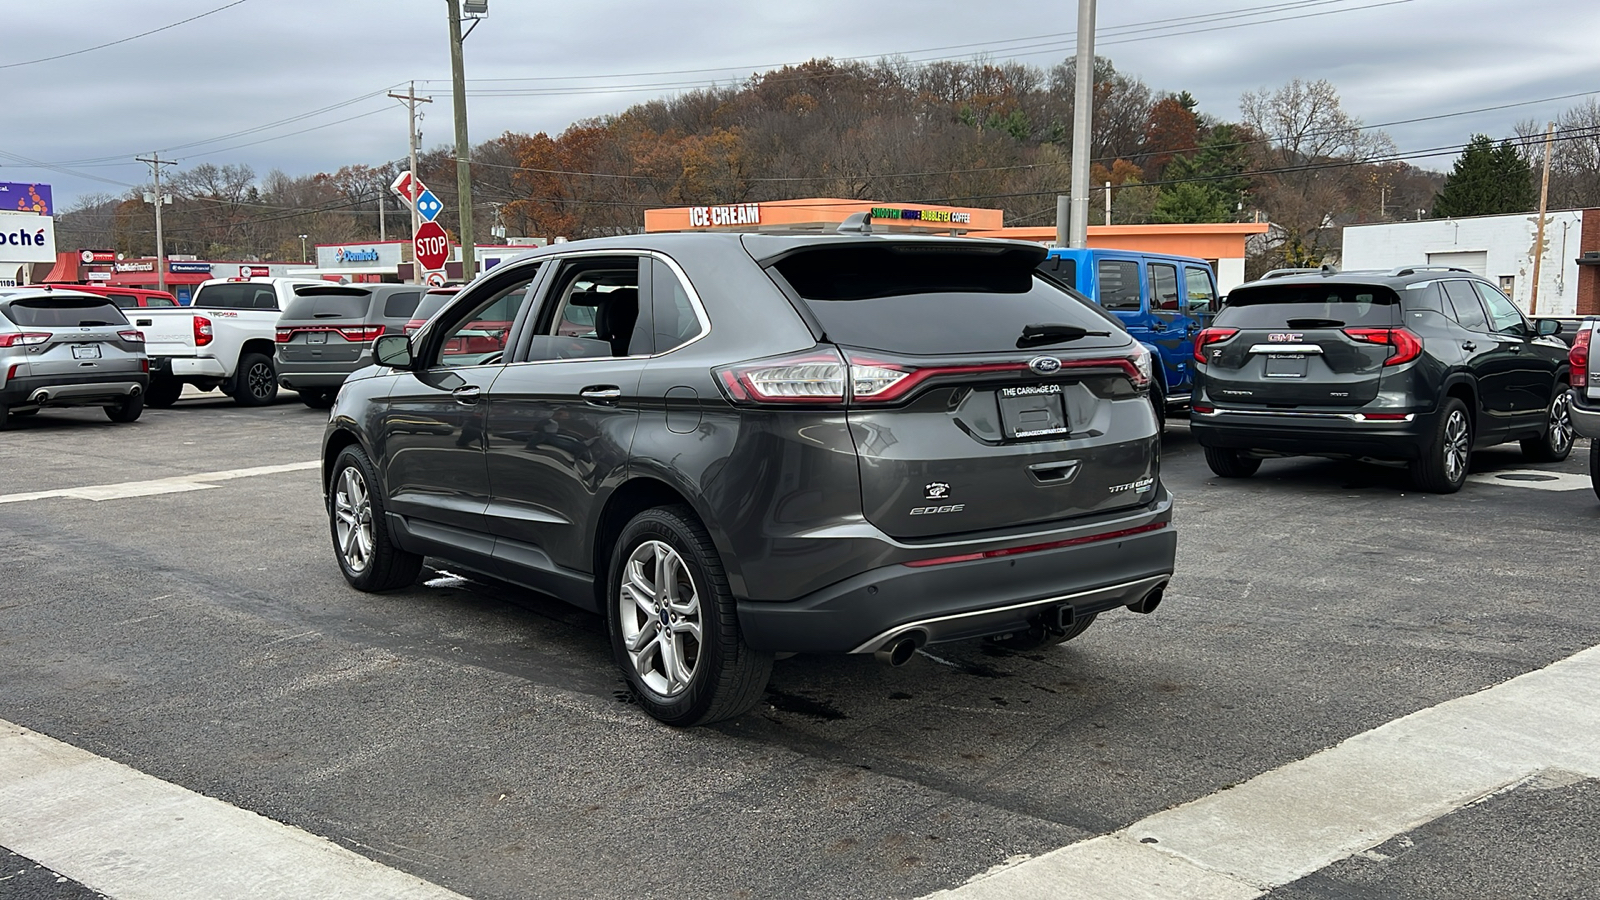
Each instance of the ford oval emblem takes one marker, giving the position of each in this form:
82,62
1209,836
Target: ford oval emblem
1044,365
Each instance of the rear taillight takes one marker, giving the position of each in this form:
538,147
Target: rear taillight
24,339
1210,336
1578,356
144,365
284,335
132,335
11,373
414,326
814,377
202,331
361,335
1407,346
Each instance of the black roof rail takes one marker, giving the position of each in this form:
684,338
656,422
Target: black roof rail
1285,273
1403,271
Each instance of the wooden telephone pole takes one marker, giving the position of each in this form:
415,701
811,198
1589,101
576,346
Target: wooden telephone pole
1538,238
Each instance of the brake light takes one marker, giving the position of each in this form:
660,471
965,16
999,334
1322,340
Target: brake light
1407,346
132,335
1035,548
361,335
1210,336
1578,356
284,335
144,365
11,373
811,377
23,339
202,331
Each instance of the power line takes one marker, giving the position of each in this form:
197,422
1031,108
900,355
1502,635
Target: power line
125,40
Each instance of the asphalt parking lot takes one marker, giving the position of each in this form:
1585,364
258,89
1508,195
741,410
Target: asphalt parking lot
481,738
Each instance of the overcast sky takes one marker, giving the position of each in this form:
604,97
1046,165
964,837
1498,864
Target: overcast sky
262,62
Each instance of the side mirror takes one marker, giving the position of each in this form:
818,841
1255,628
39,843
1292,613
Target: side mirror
392,350
1548,327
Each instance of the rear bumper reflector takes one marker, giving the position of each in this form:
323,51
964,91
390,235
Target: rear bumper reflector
1036,548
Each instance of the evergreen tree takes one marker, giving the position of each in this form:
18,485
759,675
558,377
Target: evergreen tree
1210,184
1487,180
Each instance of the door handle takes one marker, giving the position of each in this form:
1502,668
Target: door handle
1054,472
1468,345
466,396
601,393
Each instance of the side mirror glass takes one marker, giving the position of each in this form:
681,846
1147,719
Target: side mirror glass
1548,327
392,350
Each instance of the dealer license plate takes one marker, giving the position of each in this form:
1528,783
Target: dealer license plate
85,351
316,337
1286,365
1032,411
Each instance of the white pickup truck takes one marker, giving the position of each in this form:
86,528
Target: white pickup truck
1584,400
224,339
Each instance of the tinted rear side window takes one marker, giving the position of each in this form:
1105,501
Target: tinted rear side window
935,300
401,304
1303,306
63,312
236,295
1468,310
1119,284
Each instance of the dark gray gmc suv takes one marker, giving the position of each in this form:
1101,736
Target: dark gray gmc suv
736,446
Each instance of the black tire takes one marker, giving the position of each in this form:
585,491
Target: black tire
1158,399
126,411
381,566
1038,636
1594,462
162,393
1555,444
5,416
1229,463
725,676
317,399
256,381
1447,457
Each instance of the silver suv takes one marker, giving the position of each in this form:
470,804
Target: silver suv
68,348
326,332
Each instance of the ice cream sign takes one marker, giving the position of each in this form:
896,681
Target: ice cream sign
713,216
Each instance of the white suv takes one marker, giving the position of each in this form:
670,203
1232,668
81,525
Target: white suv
68,348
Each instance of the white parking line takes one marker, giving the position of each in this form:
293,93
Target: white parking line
1287,823
130,836
1534,479
176,484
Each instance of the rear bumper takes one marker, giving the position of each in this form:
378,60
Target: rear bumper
1585,415
1295,433
72,390
187,367
296,374
965,600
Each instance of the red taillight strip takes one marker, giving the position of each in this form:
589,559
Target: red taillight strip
1035,548
354,335
917,376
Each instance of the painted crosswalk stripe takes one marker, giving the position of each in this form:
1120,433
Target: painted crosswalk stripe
1285,824
176,484
132,836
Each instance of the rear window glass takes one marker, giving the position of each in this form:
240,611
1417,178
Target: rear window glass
63,312
1309,306
922,300
236,295
401,304
431,303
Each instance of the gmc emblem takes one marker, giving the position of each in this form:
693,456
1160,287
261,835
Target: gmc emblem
1285,338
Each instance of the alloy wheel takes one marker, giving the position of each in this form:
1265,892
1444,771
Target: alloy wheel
1457,446
259,381
659,608
1561,432
352,513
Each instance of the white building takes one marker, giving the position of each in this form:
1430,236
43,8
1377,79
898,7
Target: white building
1500,248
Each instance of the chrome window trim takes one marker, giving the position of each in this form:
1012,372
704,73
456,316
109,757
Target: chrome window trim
1290,349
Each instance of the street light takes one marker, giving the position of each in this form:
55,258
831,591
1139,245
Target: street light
303,257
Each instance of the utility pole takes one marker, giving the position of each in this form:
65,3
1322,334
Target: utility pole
410,101
1108,203
1538,238
469,265
156,162
383,230
1082,108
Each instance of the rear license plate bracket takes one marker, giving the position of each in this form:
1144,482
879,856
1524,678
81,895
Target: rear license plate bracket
316,337
1033,411
85,351
1285,365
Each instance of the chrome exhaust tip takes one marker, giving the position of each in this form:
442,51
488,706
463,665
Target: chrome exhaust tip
897,651
1148,603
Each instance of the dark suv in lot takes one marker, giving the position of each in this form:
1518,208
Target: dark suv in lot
736,446
1419,364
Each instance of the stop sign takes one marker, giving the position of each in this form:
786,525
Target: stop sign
432,246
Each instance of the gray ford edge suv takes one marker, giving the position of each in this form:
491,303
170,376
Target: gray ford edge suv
736,446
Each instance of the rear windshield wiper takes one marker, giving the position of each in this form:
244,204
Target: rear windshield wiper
1035,335
1313,323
